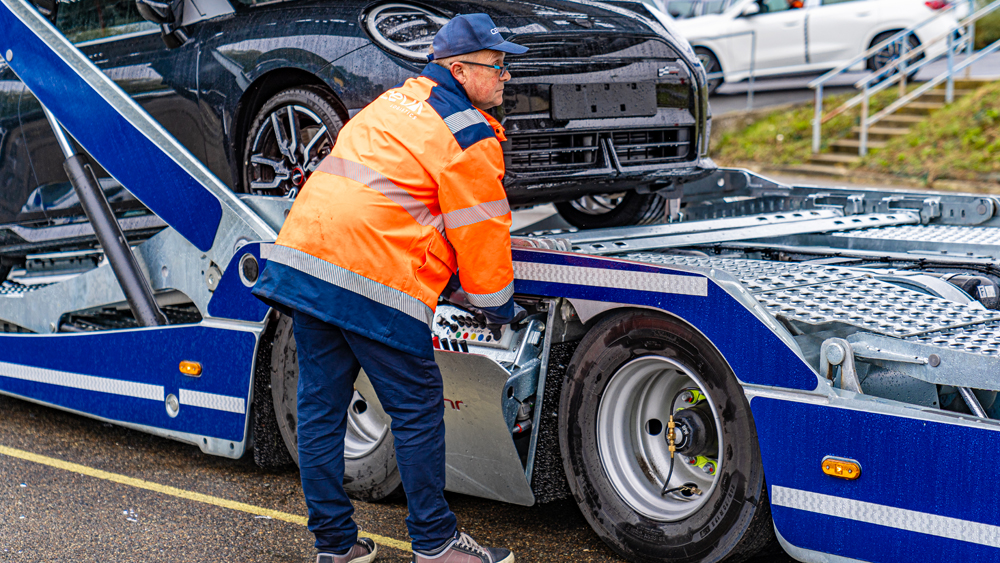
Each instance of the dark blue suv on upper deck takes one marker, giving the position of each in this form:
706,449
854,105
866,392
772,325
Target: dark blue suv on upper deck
605,109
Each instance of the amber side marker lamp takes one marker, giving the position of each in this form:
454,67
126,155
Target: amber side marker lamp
841,468
191,368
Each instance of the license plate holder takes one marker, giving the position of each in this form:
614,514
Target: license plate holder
603,100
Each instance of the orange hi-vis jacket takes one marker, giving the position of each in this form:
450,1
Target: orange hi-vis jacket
410,195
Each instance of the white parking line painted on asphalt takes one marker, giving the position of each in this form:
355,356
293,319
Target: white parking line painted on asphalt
181,493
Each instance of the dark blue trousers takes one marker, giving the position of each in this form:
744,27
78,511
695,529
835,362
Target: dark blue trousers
411,392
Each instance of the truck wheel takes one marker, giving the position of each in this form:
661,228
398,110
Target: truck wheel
629,374
288,138
613,210
370,472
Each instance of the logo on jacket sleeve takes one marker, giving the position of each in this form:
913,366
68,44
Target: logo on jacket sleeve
411,108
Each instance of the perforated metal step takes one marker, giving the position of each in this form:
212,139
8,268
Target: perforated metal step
820,295
930,233
15,289
983,339
949,240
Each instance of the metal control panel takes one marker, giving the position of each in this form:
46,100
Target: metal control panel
456,330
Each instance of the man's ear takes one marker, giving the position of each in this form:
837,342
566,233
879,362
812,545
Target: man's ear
459,72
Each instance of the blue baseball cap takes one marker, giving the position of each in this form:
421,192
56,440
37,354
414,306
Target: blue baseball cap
469,33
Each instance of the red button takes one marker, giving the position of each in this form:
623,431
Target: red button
466,335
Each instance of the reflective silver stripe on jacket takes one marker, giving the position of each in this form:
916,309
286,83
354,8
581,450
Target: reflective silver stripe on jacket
376,181
476,213
492,299
462,119
346,279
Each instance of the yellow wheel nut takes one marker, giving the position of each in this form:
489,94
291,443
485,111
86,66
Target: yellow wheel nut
692,396
709,466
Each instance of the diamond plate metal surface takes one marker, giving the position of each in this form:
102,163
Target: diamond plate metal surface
983,339
818,294
12,288
757,275
929,233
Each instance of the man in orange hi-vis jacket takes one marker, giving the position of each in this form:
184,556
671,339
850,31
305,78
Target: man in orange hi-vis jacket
410,196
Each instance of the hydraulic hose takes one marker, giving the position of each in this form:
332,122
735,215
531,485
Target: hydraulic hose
671,443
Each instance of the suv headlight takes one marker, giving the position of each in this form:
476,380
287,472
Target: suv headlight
404,29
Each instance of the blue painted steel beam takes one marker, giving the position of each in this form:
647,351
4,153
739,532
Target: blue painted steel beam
115,130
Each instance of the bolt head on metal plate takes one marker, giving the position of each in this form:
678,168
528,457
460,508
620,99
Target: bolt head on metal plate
249,269
173,405
835,354
9,55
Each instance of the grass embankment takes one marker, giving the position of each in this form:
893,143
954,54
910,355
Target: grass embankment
959,142
987,29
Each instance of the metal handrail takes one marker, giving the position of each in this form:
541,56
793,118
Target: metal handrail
932,83
967,38
817,84
882,74
949,75
902,68
753,61
876,48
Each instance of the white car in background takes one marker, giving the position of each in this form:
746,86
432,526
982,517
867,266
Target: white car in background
810,36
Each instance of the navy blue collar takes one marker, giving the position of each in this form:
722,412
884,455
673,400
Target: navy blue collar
444,79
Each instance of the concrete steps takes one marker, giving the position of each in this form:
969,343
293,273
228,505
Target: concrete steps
834,159
938,94
899,121
851,146
920,108
881,133
843,153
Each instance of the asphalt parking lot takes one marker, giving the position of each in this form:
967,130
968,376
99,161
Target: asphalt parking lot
91,491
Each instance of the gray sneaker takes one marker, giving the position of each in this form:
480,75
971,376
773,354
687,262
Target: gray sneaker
464,549
363,551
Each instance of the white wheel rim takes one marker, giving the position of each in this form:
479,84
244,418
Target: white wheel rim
637,461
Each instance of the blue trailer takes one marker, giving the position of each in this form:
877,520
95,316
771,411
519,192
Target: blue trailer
815,365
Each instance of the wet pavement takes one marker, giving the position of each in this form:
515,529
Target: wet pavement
64,514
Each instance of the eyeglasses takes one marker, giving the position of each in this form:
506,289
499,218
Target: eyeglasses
503,69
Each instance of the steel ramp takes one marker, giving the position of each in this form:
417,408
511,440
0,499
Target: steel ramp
820,295
636,239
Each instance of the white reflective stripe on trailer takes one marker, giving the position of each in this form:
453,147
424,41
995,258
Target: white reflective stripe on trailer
81,381
889,516
619,279
212,401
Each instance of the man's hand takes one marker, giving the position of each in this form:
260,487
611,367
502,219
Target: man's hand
493,317
494,322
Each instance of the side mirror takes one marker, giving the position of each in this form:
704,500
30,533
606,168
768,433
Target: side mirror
750,10
48,9
168,14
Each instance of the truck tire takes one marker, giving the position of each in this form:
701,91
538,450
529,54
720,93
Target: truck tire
290,135
613,210
370,471
613,417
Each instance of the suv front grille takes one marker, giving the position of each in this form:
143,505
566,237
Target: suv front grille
583,151
653,146
553,152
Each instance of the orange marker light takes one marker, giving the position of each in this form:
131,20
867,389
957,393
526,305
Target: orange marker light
841,468
191,368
